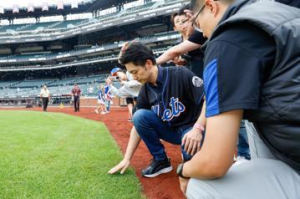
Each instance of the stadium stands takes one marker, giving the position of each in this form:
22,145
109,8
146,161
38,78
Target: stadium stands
57,87
62,50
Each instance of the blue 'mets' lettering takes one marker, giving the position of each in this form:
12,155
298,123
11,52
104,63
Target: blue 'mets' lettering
176,109
167,116
155,109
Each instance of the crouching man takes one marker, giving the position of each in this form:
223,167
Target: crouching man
168,108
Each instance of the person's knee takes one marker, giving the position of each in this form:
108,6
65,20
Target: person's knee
141,116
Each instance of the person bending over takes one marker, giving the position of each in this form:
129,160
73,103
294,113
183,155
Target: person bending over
168,108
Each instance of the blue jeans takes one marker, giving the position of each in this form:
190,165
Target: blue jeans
243,146
151,129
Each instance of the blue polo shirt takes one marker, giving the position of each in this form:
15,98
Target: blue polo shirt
235,69
176,99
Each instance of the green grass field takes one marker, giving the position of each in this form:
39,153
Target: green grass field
52,155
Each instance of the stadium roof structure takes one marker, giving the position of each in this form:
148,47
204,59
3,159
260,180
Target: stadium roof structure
88,6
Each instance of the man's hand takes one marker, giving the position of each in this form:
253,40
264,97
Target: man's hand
108,81
123,165
179,62
189,14
192,141
183,184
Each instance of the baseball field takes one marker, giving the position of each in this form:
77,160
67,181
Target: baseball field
54,155
67,154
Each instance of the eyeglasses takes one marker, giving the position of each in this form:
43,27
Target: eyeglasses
194,20
184,21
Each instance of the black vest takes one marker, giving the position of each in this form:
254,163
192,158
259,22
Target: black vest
279,107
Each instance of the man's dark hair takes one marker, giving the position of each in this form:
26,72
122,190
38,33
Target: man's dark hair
180,12
137,53
173,18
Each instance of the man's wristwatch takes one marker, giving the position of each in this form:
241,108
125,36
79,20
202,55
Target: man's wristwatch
179,171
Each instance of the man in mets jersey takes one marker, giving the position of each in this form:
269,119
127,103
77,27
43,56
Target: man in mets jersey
168,108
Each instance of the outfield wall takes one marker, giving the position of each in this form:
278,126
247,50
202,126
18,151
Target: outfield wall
55,101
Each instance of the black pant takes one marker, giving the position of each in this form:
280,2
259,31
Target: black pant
196,66
45,103
76,103
130,100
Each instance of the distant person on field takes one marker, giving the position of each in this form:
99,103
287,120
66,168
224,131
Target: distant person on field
45,96
76,96
108,96
91,89
101,101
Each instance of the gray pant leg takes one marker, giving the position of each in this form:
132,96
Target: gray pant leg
257,148
264,177
258,179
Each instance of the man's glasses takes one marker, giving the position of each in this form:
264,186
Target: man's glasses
184,21
194,20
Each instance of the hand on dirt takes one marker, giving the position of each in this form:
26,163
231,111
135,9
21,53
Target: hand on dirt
192,141
123,165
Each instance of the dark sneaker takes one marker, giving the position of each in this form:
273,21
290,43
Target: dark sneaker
157,167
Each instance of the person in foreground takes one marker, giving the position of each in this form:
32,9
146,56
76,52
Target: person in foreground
168,107
252,70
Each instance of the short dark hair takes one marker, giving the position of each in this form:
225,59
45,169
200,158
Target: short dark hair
180,12
173,18
137,53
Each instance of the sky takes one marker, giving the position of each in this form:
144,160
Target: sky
37,3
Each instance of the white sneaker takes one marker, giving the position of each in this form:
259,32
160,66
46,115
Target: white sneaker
103,113
240,160
96,111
